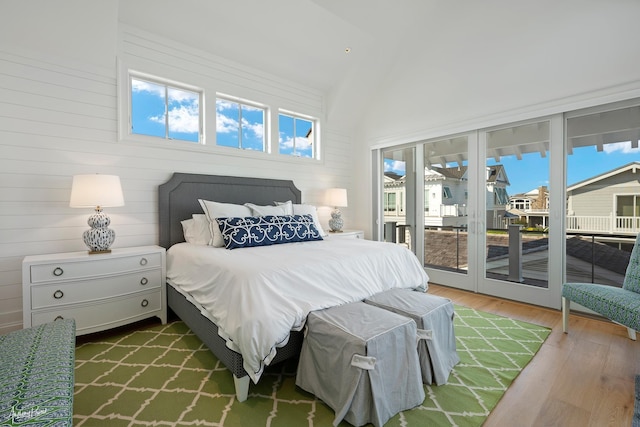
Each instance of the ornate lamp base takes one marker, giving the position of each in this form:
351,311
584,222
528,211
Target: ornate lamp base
99,237
336,222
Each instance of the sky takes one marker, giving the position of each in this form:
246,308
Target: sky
238,125
533,170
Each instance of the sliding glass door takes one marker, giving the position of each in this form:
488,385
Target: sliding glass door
448,212
515,210
603,191
399,197
517,198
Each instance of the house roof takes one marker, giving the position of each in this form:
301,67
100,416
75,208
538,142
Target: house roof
497,173
456,172
633,166
392,176
531,194
605,256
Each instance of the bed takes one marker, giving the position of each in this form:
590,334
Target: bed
324,277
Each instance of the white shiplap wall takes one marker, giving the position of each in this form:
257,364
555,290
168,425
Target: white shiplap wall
59,117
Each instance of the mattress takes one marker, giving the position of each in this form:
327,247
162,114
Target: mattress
257,295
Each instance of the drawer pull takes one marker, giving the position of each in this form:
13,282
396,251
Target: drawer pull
58,271
144,281
144,303
58,318
143,261
58,294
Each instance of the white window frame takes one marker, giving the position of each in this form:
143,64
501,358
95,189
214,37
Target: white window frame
315,143
390,207
125,113
207,137
266,145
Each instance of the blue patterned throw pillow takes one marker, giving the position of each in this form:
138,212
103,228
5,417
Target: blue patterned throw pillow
267,230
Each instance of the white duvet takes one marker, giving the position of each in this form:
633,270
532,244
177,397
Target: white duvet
256,296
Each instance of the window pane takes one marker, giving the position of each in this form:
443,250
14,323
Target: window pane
399,220
148,108
252,128
296,136
286,141
445,194
227,123
304,138
183,115
602,188
625,206
390,202
517,240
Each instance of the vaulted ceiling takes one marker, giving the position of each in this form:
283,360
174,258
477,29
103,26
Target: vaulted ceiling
344,49
301,40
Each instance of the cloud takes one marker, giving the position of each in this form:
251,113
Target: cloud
226,111
142,86
256,128
622,147
222,105
184,111
182,96
301,143
183,118
394,166
225,124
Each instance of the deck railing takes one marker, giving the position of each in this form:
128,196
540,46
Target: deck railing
457,261
603,224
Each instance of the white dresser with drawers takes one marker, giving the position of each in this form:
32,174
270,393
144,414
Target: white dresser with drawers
100,291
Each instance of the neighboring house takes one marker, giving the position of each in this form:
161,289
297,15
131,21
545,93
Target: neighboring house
446,196
496,198
606,203
531,208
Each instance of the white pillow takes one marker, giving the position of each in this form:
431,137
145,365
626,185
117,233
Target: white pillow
196,230
215,210
277,210
303,209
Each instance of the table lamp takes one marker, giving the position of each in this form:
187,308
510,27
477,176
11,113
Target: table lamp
336,197
97,191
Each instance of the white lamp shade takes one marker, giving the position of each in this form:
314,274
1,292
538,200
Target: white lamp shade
337,197
90,191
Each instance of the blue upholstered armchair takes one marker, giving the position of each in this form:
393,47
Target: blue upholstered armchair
621,305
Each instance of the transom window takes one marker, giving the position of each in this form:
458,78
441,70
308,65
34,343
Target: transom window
165,110
240,124
152,107
297,135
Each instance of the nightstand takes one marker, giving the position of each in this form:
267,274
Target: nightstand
348,234
99,291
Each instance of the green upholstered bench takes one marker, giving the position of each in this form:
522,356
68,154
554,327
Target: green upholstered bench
37,375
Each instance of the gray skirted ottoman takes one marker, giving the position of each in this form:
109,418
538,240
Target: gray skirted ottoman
361,361
37,375
434,318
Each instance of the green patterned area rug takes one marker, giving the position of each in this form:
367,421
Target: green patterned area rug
164,375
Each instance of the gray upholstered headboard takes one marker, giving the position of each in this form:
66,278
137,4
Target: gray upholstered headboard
178,197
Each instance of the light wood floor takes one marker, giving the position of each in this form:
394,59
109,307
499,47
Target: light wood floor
584,378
